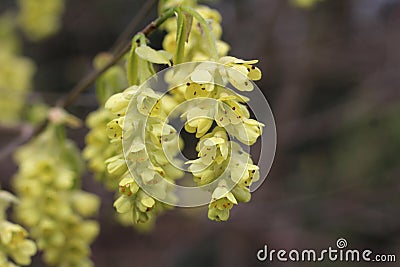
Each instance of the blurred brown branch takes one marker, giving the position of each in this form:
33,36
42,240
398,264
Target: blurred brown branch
25,131
376,97
132,26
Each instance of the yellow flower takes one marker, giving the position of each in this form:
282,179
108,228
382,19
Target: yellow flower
239,72
118,103
14,243
51,205
128,186
98,147
222,203
116,165
198,118
85,204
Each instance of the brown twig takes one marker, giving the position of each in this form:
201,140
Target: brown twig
26,132
88,80
133,25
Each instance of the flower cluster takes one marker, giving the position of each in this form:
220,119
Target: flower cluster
37,19
52,206
211,101
15,248
143,169
227,163
151,139
16,73
104,141
98,148
240,173
40,19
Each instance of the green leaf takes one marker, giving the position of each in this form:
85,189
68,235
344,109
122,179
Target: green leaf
149,54
132,64
206,28
181,35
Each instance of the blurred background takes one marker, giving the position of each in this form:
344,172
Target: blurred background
331,74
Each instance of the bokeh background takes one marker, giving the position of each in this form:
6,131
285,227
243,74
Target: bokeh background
332,77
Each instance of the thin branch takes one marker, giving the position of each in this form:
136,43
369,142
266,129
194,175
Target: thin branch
84,84
88,80
326,123
26,132
12,129
133,25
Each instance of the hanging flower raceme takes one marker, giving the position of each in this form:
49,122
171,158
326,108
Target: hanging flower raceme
135,204
40,19
52,205
98,148
147,155
106,155
145,144
204,86
224,160
15,247
16,73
